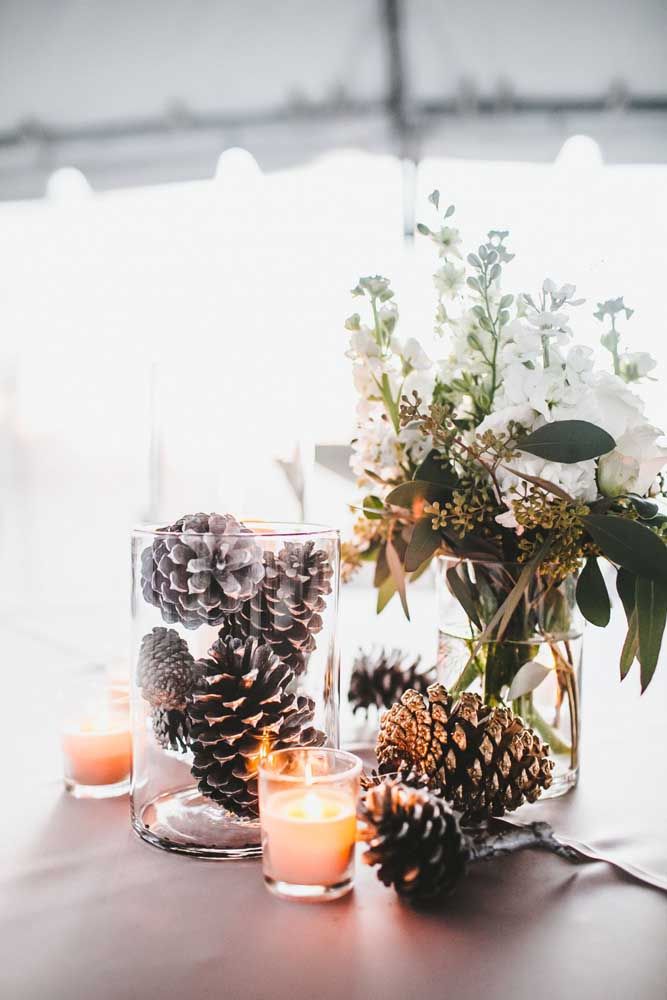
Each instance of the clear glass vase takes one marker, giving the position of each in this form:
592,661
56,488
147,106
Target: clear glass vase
233,656
535,668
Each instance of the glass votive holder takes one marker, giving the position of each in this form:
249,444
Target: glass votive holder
95,738
307,806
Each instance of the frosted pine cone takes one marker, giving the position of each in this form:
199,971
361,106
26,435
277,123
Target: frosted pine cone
203,569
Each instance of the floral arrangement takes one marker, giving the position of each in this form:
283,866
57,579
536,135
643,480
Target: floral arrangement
516,449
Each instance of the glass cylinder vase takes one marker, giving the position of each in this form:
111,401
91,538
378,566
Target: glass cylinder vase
535,667
234,656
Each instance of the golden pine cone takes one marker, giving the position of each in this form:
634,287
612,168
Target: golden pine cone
486,760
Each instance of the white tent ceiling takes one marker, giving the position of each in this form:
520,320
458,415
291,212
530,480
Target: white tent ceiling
138,91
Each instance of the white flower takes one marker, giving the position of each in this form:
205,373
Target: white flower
563,294
634,463
551,324
578,364
364,381
636,365
363,345
608,403
539,387
449,279
523,343
415,355
448,241
421,381
508,520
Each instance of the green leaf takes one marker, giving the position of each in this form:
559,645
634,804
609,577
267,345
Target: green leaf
434,198
424,230
645,508
651,599
567,441
630,646
592,596
526,679
408,494
461,589
625,588
370,505
436,469
630,544
382,571
385,594
423,543
398,575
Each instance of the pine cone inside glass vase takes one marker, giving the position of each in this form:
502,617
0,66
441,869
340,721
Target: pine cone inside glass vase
165,674
171,729
414,838
204,568
486,760
379,679
286,611
240,708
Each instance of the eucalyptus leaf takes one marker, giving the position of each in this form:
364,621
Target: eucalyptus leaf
630,544
385,594
370,506
645,508
630,646
651,601
625,588
462,590
592,596
436,469
423,543
567,441
527,678
398,575
408,494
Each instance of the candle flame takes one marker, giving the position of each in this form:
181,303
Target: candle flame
313,807
308,773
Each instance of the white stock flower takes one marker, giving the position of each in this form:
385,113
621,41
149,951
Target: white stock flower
448,241
634,463
541,388
551,324
578,363
362,345
415,355
421,381
522,343
449,279
636,365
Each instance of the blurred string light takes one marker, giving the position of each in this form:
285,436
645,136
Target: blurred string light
68,184
579,152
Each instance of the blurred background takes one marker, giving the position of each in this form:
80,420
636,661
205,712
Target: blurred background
188,190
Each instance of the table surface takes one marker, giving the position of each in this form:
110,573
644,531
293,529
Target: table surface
88,910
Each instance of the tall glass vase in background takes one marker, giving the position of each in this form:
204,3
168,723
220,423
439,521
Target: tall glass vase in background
233,656
535,668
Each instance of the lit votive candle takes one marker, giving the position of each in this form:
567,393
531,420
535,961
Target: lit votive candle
95,740
308,800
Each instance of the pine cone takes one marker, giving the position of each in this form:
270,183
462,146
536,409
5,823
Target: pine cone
485,759
164,670
379,679
285,612
240,708
415,839
204,568
171,729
